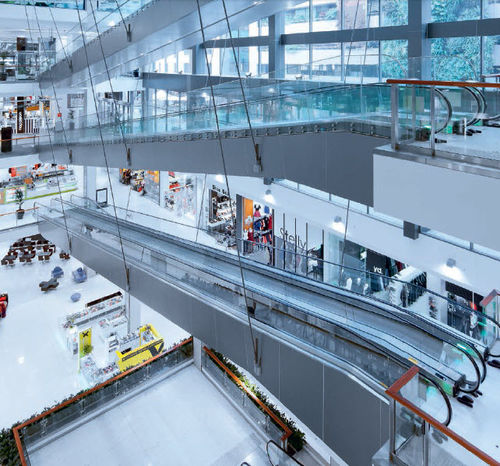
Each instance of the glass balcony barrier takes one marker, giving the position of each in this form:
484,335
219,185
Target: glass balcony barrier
69,5
411,302
479,329
108,14
274,427
456,368
278,456
451,119
23,65
416,435
50,422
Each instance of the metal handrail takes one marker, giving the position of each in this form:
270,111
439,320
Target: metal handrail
272,442
419,288
370,343
17,428
394,392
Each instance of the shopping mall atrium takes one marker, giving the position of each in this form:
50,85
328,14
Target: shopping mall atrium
249,233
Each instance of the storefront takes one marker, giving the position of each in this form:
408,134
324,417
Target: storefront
179,194
145,182
258,230
36,181
221,215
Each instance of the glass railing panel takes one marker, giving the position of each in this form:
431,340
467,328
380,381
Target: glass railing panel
461,119
419,435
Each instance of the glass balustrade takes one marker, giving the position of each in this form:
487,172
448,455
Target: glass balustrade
201,274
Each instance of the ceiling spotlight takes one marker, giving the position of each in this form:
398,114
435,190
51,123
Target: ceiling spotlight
268,192
451,263
337,219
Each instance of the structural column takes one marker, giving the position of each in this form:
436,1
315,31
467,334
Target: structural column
276,49
419,46
89,182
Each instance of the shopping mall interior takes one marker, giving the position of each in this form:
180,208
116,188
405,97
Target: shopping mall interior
258,232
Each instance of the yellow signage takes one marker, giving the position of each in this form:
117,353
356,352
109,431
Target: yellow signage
85,342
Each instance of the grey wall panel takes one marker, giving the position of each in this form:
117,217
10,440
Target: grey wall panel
271,363
340,163
350,419
301,386
364,426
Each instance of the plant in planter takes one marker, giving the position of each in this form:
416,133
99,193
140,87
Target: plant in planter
19,201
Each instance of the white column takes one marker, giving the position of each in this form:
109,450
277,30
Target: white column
197,352
134,312
89,182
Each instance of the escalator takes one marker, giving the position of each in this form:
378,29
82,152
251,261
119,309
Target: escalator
335,321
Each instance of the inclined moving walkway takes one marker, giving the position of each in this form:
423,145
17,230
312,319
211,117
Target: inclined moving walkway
332,319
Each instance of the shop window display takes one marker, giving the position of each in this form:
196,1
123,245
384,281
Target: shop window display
145,182
180,196
221,216
35,181
258,231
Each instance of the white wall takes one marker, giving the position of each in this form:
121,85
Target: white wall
463,205
478,273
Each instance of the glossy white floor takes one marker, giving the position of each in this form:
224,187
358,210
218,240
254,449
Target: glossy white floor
37,369
183,420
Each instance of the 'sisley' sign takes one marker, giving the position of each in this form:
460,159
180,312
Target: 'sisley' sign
292,238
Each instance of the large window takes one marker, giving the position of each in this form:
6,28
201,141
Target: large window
326,62
455,10
254,60
297,19
491,9
361,62
456,58
393,12
394,58
361,14
326,15
296,60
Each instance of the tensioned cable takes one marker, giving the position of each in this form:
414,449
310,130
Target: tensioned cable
47,121
352,40
60,39
227,186
236,62
104,150
109,76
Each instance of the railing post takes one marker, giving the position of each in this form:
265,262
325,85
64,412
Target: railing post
392,428
425,430
433,118
394,116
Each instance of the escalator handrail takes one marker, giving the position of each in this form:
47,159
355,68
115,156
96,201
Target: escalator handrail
460,345
272,442
478,314
369,345
475,384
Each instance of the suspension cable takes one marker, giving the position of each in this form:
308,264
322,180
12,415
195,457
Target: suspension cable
47,120
233,217
122,131
245,104
104,151
60,39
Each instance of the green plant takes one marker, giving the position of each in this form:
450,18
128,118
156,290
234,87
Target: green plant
9,455
19,198
87,349
297,439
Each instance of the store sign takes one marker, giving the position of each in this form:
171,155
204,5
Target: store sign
20,115
84,342
292,238
219,190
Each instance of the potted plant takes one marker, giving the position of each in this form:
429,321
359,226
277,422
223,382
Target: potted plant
19,201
